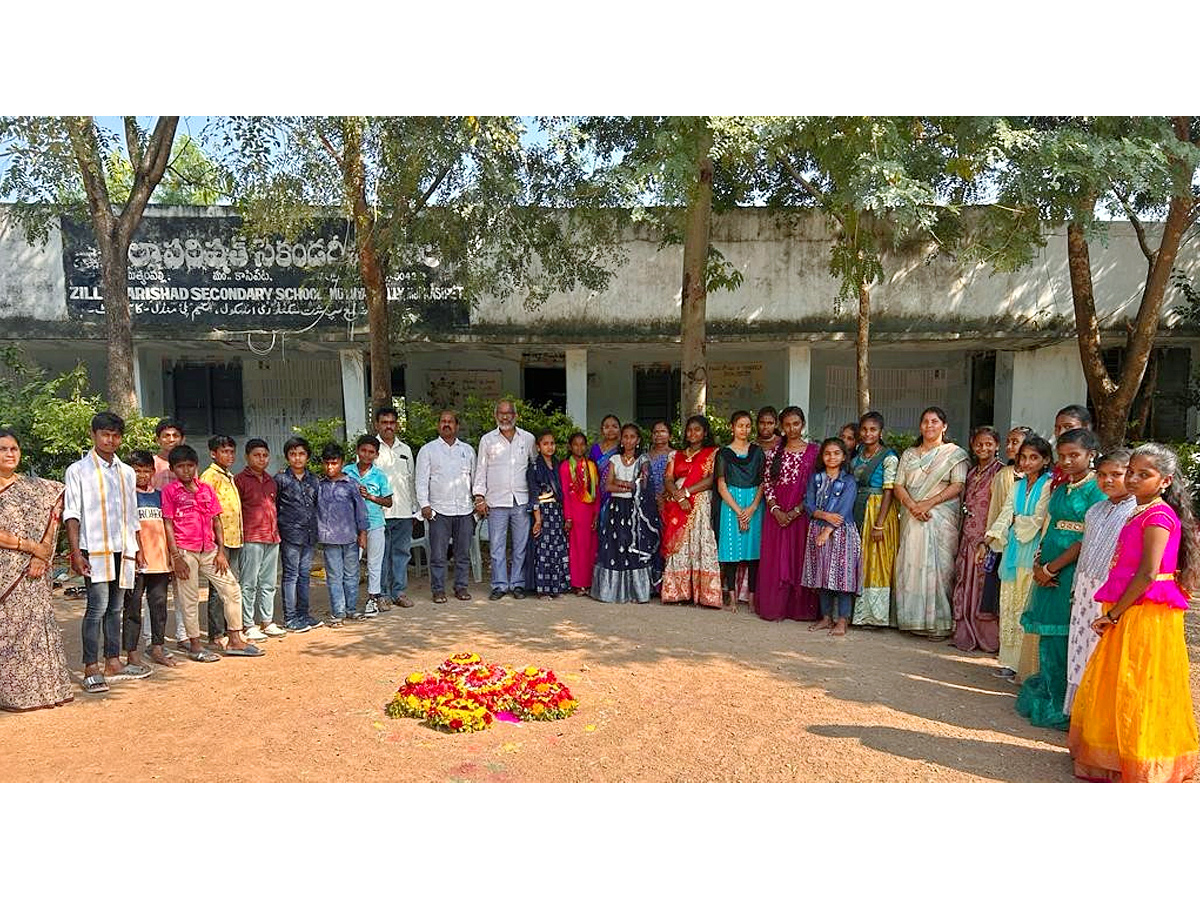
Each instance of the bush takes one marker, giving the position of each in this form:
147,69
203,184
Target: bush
52,416
320,432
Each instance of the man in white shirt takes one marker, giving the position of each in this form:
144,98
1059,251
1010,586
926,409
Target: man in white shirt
100,512
502,494
443,489
395,460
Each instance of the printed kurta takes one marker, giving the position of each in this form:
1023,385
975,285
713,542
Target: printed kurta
924,580
835,565
548,561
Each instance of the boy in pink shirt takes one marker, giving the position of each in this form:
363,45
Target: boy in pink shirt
191,512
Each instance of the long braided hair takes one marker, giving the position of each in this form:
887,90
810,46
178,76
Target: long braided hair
1177,495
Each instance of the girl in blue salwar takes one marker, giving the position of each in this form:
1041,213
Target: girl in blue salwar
833,555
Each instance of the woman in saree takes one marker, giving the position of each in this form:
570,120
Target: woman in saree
788,468
602,453
628,530
691,571
931,478
874,468
580,486
660,455
973,628
33,666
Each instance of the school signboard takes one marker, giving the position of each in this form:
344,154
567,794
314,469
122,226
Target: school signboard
203,270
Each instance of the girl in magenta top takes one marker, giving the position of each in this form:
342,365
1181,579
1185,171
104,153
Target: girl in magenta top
1164,589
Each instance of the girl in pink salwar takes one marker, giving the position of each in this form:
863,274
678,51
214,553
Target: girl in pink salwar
580,486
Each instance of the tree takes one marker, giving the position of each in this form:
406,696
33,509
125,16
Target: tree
1053,171
882,183
667,171
498,209
56,167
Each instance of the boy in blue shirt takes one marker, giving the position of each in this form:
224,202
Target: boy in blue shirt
296,503
376,491
342,532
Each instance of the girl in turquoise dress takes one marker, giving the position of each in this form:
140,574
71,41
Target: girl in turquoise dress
739,522
1048,613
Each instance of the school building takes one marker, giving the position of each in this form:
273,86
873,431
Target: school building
245,336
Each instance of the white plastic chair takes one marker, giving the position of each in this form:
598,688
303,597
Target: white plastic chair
422,544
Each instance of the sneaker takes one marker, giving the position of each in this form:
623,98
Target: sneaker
371,610
334,622
298,627
273,630
403,601
355,616
314,623
254,633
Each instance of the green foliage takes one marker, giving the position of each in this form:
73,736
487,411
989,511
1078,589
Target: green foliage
191,179
478,417
1189,463
320,432
899,440
52,415
417,422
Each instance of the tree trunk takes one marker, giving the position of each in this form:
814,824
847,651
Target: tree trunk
114,279
369,268
1139,424
862,349
694,373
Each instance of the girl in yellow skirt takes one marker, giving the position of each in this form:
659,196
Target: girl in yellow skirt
874,468
1133,718
1019,528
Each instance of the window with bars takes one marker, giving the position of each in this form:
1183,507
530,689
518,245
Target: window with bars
656,394
208,397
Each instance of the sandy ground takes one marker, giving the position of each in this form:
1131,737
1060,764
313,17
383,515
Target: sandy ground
666,694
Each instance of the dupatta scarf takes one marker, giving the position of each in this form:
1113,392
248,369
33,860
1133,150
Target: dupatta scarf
687,472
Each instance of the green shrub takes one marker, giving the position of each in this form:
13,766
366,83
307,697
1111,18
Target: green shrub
320,432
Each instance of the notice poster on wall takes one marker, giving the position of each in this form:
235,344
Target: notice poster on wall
736,386
448,388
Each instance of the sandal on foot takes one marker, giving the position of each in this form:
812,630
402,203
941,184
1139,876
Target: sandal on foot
130,672
203,656
95,684
248,650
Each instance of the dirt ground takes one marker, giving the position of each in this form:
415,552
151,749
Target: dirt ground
666,694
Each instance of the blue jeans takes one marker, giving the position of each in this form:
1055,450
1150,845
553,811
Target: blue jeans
297,568
839,599
396,555
500,521
442,530
105,602
259,567
341,574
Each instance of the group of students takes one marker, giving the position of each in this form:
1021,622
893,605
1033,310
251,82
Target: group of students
1070,565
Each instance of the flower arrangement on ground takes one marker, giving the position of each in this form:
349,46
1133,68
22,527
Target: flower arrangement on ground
465,693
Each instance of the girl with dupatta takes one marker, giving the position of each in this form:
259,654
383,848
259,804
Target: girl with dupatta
973,628
874,468
1133,718
628,530
932,476
739,517
1048,613
580,485
788,466
33,666
689,545
549,565
660,454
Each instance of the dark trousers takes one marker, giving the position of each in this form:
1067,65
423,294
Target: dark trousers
105,600
443,530
729,574
154,587
836,604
